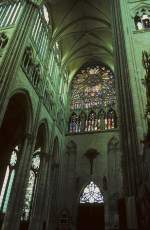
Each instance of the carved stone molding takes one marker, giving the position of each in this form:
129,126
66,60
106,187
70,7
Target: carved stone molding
36,2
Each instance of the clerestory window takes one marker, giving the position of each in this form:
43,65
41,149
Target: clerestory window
9,13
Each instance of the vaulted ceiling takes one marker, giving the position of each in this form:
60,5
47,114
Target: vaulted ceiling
83,30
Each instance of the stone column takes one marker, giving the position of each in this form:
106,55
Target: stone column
54,194
129,138
12,216
47,195
37,215
12,58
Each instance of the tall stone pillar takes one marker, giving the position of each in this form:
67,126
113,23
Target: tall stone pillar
127,117
37,220
14,209
129,139
13,55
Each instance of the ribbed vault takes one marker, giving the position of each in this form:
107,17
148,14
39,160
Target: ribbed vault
83,30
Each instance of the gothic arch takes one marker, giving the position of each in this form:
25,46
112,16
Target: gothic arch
13,131
138,7
83,186
43,124
37,157
18,112
29,105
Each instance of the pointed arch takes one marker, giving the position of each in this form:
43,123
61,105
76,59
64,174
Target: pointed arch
83,121
111,119
101,120
44,134
41,147
91,194
73,123
17,122
92,121
23,95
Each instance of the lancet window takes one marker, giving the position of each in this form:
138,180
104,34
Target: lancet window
31,185
93,100
91,194
73,123
92,121
8,180
9,13
46,14
142,19
31,67
40,32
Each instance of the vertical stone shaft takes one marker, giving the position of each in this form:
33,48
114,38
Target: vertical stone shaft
127,116
37,218
13,56
12,216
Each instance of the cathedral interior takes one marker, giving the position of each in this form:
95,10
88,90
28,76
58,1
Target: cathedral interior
74,115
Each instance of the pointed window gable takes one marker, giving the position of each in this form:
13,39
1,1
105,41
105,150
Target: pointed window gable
91,194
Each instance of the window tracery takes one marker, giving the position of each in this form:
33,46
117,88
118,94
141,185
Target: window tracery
31,185
93,86
73,123
93,100
142,19
46,14
9,13
92,126
31,67
91,194
8,180
41,31
83,121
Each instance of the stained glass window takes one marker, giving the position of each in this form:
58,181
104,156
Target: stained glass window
73,123
93,100
31,185
142,19
93,86
8,180
92,122
91,194
9,13
46,14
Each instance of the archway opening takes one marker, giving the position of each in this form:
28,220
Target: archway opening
91,208
12,134
30,198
